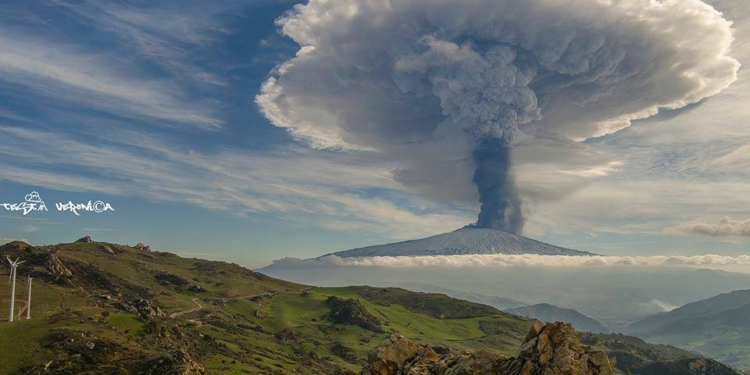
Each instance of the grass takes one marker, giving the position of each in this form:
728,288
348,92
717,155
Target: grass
128,324
249,323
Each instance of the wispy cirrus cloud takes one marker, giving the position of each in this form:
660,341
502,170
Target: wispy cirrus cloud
64,74
329,190
129,60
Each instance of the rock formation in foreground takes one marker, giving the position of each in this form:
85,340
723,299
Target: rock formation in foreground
549,349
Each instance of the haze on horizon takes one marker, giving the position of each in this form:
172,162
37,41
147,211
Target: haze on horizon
213,131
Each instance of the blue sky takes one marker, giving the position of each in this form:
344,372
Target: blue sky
151,106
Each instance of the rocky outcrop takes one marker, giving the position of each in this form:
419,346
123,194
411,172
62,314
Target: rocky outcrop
107,249
141,246
556,349
57,269
174,362
86,239
142,307
551,349
352,311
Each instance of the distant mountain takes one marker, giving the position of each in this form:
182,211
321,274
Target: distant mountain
717,326
635,356
465,241
664,323
551,313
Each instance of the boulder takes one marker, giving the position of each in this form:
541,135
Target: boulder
107,249
551,349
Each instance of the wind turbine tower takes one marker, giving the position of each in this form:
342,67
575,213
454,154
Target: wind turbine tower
13,266
28,299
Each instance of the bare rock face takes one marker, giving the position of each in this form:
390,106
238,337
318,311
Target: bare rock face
551,349
57,269
556,349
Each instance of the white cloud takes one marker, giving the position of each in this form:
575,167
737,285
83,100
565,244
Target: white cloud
651,176
299,185
660,305
723,227
67,74
527,260
362,80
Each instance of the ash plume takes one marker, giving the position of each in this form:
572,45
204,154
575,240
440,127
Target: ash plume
390,76
501,206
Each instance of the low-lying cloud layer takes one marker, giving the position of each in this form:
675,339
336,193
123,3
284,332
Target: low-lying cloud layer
526,260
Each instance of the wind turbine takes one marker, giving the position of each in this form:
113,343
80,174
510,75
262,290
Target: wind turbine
13,266
28,299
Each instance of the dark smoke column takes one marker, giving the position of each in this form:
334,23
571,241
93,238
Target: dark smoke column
501,206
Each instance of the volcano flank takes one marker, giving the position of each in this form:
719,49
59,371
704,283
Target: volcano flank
465,241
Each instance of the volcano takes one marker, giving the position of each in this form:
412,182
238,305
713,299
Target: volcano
465,241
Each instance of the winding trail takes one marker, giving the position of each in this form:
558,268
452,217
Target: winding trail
197,307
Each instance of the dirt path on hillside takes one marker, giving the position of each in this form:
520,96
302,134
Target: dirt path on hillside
197,307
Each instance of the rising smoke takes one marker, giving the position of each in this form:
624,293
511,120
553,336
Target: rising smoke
390,75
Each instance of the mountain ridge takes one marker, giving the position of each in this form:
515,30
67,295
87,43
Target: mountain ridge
718,326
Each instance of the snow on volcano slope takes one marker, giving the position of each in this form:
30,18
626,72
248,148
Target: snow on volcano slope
462,242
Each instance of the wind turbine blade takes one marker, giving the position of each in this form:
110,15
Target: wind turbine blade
21,262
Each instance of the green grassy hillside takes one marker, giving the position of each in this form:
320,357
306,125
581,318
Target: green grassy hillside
247,322
101,308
